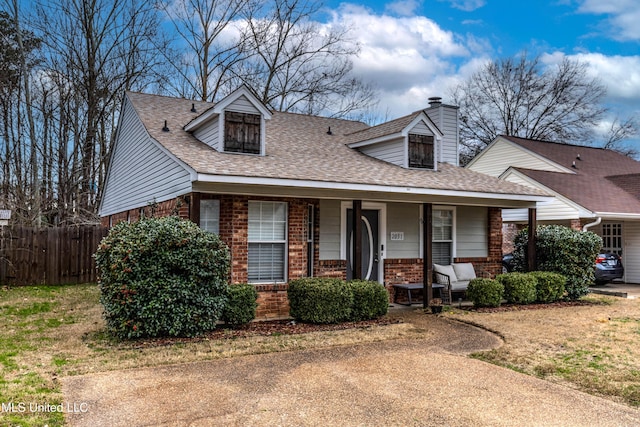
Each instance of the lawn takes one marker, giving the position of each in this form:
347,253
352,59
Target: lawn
52,332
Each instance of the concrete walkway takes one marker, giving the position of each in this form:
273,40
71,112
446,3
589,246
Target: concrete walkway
427,382
618,289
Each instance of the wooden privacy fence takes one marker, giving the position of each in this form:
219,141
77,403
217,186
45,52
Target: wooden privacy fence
51,256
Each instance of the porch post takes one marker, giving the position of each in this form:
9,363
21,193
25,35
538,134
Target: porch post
427,259
531,244
356,256
194,208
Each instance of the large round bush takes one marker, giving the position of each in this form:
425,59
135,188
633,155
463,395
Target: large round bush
519,288
161,277
485,292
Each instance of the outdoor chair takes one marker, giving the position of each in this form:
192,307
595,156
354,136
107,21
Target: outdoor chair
455,278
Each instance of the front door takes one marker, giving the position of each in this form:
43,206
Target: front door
370,244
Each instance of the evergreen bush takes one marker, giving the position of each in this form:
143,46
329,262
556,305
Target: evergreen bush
241,304
161,277
320,300
370,300
519,288
549,286
559,249
485,292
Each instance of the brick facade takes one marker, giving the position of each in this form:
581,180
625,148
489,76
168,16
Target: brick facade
272,298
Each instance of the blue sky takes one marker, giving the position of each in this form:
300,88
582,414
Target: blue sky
414,49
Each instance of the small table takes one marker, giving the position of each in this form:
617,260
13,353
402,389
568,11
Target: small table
412,287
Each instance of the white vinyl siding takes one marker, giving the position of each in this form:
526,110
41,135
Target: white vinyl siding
631,253
243,105
405,219
140,171
210,215
446,118
390,151
503,154
210,134
267,238
329,229
471,231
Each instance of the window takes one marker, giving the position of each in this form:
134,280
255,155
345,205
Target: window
210,215
612,238
242,133
442,244
421,151
310,245
267,241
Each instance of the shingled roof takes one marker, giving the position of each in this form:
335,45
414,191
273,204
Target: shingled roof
601,180
298,147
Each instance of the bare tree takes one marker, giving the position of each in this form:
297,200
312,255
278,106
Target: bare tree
202,55
619,131
294,65
519,97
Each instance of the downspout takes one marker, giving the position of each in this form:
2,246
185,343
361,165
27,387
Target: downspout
592,224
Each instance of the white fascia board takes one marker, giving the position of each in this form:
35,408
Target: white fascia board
617,215
282,182
203,118
422,117
242,90
582,211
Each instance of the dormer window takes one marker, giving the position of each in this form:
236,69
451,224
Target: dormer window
421,151
242,133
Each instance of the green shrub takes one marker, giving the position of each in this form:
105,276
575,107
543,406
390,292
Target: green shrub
519,288
562,250
161,276
320,300
370,300
241,304
549,286
485,292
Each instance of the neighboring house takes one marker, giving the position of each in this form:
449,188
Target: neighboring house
595,189
282,190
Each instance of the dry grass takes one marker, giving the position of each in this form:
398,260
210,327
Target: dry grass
595,348
49,332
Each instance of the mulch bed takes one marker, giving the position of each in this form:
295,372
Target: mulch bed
262,328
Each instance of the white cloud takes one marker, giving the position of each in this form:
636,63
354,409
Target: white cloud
623,17
467,5
403,7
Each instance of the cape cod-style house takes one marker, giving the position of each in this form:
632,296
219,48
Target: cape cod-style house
282,190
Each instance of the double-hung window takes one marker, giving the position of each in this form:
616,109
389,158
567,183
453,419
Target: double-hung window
421,151
210,215
267,241
442,243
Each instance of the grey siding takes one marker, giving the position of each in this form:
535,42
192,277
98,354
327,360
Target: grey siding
209,134
421,129
403,218
446,118
471,231
243,105
329,229
140,171
392,151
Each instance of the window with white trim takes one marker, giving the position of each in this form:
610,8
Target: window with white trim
442,241
267,241
612,238
210,215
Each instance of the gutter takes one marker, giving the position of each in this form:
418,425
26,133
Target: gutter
592,224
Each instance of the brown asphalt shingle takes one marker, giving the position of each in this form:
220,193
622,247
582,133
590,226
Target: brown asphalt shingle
299,148
602,180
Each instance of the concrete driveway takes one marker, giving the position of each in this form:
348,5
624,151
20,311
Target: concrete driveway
426,382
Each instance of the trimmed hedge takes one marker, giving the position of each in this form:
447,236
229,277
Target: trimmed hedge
328,300
549,286
161,277
241,304
519,288
370,300
319,300
485,292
